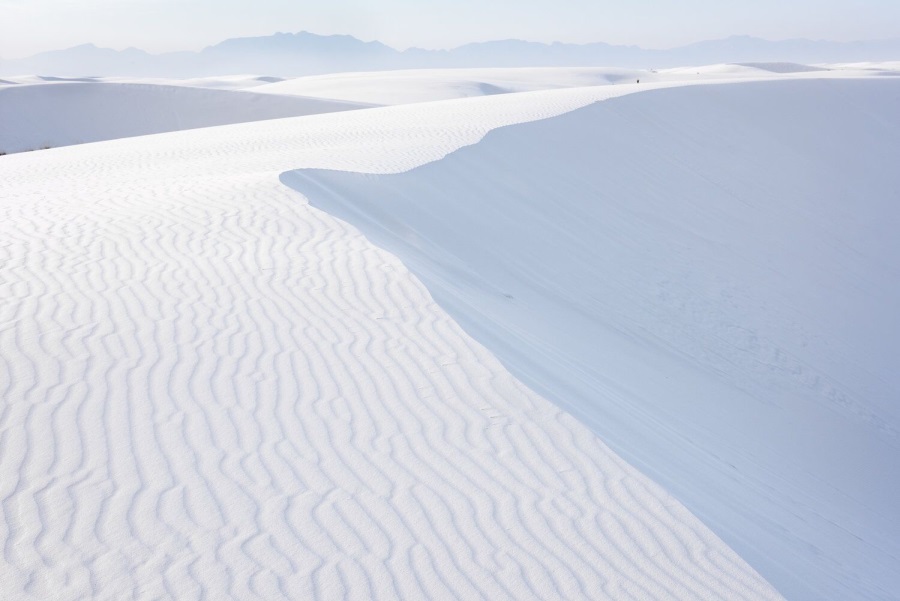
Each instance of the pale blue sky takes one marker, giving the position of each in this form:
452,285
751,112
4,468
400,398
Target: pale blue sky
29,26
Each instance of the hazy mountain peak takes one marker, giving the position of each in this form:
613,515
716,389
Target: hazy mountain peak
307,53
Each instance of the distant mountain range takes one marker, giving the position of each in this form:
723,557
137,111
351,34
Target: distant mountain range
293,54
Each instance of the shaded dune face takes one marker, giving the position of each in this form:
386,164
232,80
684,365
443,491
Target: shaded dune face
61,114
49,111
212,390
707,278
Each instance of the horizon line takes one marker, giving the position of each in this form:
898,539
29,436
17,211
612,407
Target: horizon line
487,41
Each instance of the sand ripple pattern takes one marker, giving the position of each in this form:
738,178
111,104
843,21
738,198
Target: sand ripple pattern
211,390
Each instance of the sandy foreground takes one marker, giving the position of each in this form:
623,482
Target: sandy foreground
213,388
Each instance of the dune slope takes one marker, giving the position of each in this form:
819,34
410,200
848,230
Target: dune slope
48,115
423,85
707,277
212,390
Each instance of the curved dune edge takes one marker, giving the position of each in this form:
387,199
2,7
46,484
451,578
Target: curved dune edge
60,111
704,276
213,390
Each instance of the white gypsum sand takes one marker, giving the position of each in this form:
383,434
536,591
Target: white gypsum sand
60,113
212,390
424,85
48,111
707,276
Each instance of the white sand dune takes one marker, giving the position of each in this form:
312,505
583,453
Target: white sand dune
885,67
424,85
785,67
48,111
213,390
402,87
235,82
64,113
708,277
